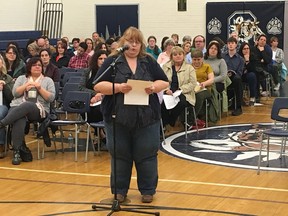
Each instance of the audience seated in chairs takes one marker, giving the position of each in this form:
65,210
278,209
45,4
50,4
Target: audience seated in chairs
205,79
95,114
33,50
6,85
61,57
81,59
235,65
219,88
14,64
165,55
181,76
249,74
33,94
263,56
50,70
276,64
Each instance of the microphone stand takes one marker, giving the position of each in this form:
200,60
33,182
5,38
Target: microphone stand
116,205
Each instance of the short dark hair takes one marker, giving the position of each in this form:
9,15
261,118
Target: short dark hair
31,62
231,40
83,45
47,50
76,39
261,35
215,43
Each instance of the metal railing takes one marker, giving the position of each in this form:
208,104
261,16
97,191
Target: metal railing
49,18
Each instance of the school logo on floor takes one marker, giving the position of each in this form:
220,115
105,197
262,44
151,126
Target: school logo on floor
229,145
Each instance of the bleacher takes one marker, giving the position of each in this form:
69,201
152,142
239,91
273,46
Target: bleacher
21,37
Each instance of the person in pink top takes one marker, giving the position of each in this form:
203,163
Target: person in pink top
165,55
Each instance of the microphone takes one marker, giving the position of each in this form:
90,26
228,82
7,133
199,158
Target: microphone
123,48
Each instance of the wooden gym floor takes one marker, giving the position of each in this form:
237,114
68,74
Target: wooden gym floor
56,185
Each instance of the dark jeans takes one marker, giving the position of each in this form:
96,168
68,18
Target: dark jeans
17,116
251,79
170,116
3,113
138,145
236,89
275,71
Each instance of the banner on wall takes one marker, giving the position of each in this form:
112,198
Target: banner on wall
248,19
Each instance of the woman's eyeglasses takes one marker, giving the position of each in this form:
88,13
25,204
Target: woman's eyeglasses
37,65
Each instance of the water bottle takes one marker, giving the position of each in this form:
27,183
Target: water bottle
70,140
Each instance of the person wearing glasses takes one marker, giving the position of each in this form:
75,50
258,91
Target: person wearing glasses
14,64
199,43
137,134
33,94
249,74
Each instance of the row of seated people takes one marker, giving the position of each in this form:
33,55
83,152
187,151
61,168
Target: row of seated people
205,77
245,63
29,96
63,56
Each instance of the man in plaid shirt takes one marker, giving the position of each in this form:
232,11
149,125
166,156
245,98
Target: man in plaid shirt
81,59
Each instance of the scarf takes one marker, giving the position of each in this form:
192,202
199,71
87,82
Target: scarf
38,104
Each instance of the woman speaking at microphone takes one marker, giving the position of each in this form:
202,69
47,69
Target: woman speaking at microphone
136,126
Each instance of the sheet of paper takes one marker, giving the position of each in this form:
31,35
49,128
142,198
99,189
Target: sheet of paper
137,96
1,97
171,101
198,88
95,104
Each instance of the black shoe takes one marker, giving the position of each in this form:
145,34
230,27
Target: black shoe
103,147
16,158
2,151
237,112
121,198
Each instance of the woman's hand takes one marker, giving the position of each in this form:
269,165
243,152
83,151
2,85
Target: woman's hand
150,90
2,82
96,98
124,88
168,92
30,85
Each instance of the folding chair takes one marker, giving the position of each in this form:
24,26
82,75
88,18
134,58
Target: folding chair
186,125
67,76
76,102
278,114
75,79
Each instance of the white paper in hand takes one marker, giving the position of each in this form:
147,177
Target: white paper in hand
137,96
95,104
171,101
1,97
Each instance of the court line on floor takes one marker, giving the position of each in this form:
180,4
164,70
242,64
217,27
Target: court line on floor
160,180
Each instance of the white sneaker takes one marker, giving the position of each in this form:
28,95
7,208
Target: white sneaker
264,93
277,87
